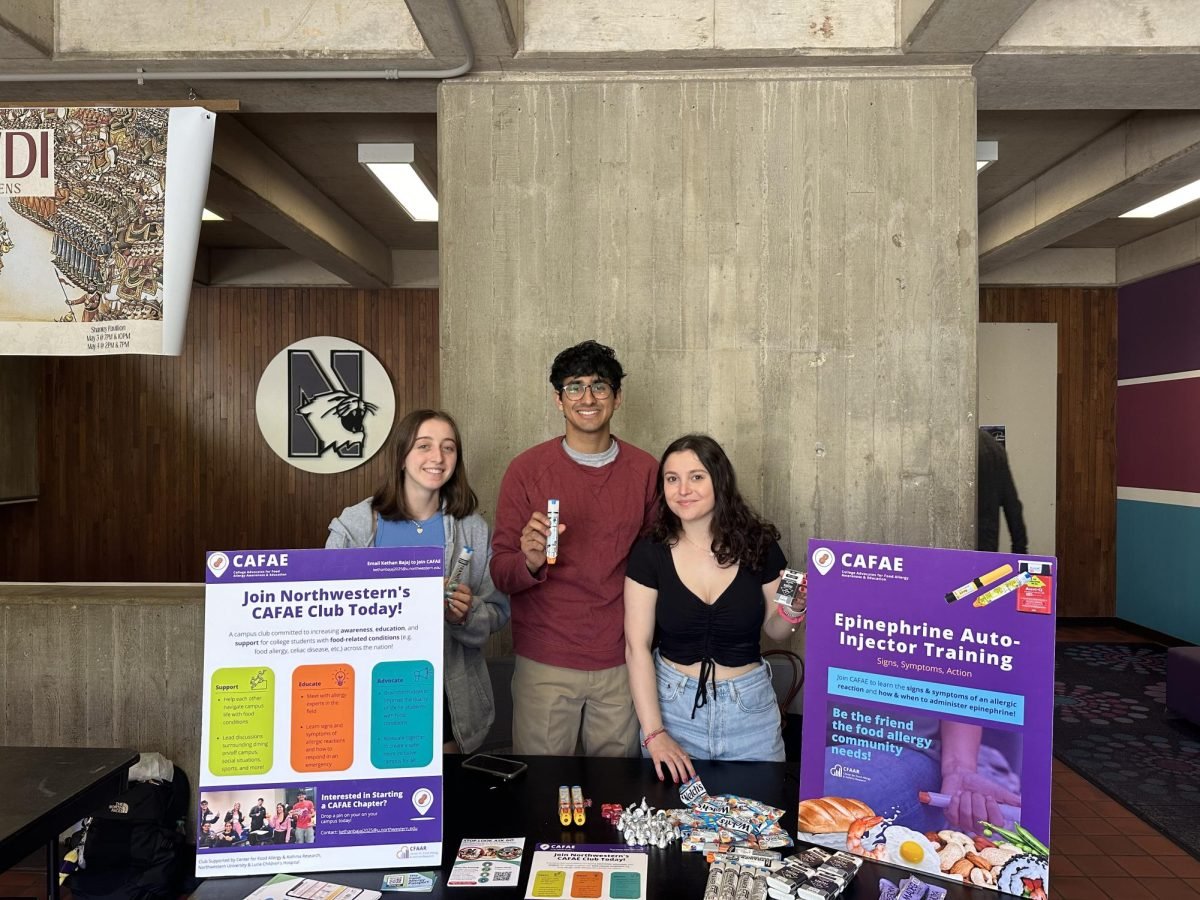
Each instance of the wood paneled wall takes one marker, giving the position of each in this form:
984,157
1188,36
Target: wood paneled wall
1086,530
18,429
146,462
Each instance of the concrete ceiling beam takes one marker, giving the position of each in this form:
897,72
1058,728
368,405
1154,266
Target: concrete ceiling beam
487,21
26,29
949,26
252,183
1144,157
1097,78
1165,251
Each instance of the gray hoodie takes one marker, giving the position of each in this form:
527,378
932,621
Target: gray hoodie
468,688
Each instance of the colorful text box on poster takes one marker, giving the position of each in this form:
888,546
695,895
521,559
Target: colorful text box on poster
929,700
322,711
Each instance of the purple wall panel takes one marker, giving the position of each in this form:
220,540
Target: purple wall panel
1159,435
1158,326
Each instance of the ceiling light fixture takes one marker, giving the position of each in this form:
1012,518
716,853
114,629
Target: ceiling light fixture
401,170
986,153
1164,204
207,215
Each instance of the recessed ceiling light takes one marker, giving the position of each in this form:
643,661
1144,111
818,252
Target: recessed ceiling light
1167,202
207,215
399,169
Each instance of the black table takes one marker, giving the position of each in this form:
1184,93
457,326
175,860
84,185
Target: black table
46,789
480,806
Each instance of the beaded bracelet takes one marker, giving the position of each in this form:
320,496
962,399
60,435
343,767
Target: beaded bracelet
795,620
651,736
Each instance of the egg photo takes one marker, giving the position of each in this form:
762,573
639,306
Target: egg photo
905,847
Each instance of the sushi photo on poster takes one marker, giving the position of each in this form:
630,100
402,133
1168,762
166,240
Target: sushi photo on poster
929,711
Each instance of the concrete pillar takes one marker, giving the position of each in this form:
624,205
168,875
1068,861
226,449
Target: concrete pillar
785,260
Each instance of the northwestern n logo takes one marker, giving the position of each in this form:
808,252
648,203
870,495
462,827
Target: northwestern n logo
327,409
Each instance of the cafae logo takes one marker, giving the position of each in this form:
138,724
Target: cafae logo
218,563
325,404
823,558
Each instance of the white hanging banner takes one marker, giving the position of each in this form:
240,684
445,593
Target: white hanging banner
99,222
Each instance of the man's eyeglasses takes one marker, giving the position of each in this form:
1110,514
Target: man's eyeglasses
573,390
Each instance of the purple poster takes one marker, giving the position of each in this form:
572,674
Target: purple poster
321,723
928,711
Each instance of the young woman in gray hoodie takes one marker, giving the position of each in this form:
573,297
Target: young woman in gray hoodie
428,502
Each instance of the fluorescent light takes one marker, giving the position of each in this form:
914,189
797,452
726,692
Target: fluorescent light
1164,204
398,168
986,153
208,215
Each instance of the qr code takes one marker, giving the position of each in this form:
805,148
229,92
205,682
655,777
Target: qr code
502,875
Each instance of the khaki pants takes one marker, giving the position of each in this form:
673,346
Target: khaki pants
554,707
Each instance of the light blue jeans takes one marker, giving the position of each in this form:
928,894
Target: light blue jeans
739,721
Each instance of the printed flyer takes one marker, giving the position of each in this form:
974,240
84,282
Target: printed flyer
601,871
321,725
929,711
487,862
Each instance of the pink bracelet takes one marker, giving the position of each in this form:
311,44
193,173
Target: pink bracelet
795,620
651,736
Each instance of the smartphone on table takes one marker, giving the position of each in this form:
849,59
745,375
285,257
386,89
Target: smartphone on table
499,766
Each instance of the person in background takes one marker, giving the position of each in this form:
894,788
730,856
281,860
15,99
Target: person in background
304,816
236,818
207,816
699,593
569,681
281,825
258,815
996,492
429,502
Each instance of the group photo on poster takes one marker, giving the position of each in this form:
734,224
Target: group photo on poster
933,674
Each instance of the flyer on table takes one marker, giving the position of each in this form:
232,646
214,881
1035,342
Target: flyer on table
929,705
599,871
322,717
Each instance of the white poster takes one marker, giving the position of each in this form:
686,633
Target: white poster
99,223
321,728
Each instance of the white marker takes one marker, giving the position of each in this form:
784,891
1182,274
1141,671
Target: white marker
552,538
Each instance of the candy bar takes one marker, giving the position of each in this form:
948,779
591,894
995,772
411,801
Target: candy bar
819,887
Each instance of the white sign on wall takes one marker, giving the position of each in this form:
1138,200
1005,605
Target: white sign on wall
325,404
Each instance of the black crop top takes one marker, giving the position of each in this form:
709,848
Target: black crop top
687,630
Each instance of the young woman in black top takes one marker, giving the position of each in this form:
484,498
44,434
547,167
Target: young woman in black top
699,591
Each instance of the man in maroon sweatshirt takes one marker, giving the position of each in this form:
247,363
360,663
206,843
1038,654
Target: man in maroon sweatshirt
569,683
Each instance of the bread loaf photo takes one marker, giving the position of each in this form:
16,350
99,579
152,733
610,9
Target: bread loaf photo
825,815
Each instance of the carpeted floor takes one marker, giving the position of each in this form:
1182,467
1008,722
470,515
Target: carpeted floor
1111,726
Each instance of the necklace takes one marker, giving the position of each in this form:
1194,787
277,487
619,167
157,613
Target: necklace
420,524
707,549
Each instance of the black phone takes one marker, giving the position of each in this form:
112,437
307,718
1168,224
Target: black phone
508,769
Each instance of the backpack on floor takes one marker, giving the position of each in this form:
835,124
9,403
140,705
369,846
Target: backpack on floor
135,848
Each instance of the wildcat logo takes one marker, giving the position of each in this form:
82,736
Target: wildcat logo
325,404
327,416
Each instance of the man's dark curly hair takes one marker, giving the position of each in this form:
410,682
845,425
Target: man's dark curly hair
740,535
588,358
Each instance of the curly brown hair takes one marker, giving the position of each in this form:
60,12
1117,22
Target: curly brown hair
740,535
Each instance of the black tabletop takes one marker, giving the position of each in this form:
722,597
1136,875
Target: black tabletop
481,806
48,788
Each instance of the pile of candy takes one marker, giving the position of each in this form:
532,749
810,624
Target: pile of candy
813,874
911,888
716,824
643,824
